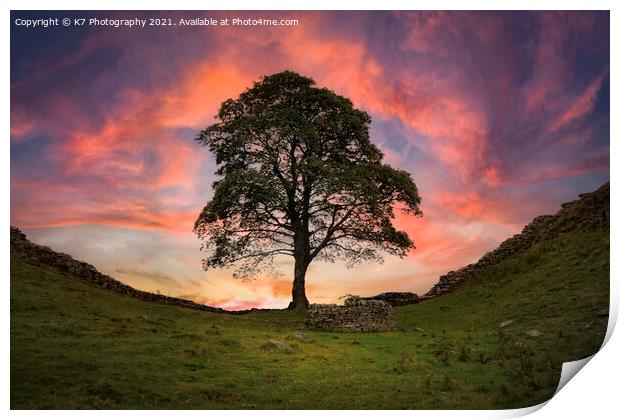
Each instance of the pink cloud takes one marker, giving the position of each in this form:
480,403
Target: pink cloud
581,106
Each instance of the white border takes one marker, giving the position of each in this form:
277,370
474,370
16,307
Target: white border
592,394
314,5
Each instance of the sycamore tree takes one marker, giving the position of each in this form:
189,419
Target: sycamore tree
298,176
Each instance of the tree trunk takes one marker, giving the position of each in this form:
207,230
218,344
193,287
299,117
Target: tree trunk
300,301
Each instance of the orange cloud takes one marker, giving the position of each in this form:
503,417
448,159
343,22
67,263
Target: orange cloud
128,216
136,150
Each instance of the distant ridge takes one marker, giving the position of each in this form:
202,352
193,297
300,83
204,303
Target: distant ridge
64,263
590,211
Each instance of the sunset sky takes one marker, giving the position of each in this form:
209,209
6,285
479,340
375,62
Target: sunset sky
499,117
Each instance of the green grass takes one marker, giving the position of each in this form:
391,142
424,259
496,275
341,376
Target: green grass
77,346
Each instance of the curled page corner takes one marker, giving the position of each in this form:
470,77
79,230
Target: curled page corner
569,370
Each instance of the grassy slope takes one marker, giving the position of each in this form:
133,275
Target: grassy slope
77,346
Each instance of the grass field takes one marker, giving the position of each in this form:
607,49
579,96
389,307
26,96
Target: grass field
77,346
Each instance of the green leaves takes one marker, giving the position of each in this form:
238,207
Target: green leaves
300,177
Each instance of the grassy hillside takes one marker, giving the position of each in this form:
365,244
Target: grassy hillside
78,346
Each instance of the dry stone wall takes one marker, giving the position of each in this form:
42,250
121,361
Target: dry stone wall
591,211
396,298
356,315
